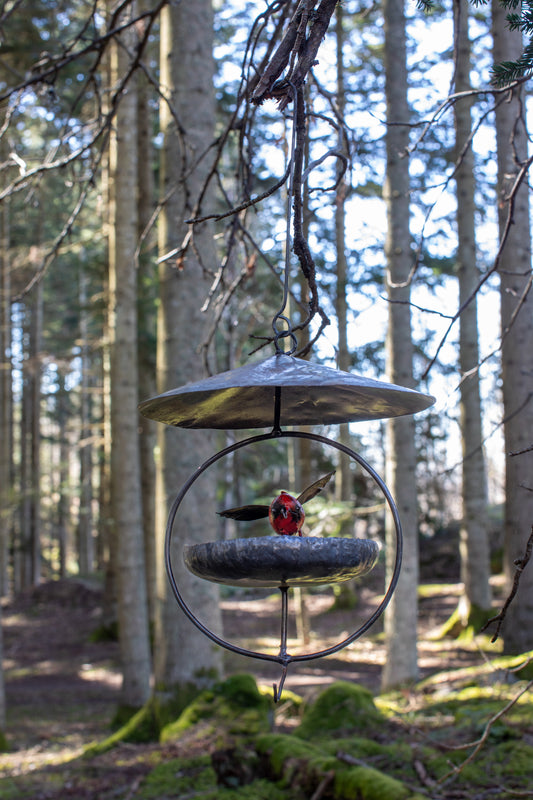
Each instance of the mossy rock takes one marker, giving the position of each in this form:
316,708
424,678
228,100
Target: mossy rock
366,783
394,757
234,706
282,748
341,707
296,763
305,764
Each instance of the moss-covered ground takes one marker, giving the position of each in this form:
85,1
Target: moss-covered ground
456,734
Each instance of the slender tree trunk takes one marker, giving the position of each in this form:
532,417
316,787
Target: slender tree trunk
343,482
29,544
125,458
107,538
6,430
475,561
401,614
36,332
517,336
63,476
85,522
182,654
6,438
147,298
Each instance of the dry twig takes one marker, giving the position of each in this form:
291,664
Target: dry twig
520,565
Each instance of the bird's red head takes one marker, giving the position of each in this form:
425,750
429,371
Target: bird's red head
286,515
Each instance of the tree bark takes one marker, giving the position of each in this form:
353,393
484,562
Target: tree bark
147,299
401,614
517,336
6,418
182,654
85,521
6,437
343,482
125,458
474,545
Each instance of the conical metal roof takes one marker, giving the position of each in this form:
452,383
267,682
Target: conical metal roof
309,394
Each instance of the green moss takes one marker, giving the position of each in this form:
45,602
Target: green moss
465,626
241,690
177,777
281,748
341,707
4,744
142,726
365,783
234,706
257,790
396,756
508,763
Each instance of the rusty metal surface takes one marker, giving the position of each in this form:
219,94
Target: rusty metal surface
308,394
280,561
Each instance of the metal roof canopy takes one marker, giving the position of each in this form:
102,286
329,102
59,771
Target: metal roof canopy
282,389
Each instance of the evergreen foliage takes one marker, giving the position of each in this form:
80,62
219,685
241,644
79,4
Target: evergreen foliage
507,72
522,68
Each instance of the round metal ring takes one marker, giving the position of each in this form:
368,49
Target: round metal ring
285,658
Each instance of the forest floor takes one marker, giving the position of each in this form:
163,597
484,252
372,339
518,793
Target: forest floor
63,689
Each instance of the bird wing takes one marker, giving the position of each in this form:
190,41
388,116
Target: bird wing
245,512
315,488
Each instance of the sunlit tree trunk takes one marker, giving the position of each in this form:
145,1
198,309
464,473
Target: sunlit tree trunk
401,614
147,297
106,546
182,654
125,458
343,478
517,335
475,561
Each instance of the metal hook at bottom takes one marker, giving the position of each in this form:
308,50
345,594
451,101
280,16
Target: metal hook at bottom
278,689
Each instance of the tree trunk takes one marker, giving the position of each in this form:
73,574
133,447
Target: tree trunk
343,482
401,614
36,333
125,459
182,654
147,298
85,521
517,336
6,438
475,561
62,520
6,420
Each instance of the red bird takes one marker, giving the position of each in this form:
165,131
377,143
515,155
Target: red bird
285,512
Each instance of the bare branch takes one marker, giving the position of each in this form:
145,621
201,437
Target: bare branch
520,565
478,744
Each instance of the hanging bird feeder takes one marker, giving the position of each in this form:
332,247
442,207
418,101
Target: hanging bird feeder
282,390
274,393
